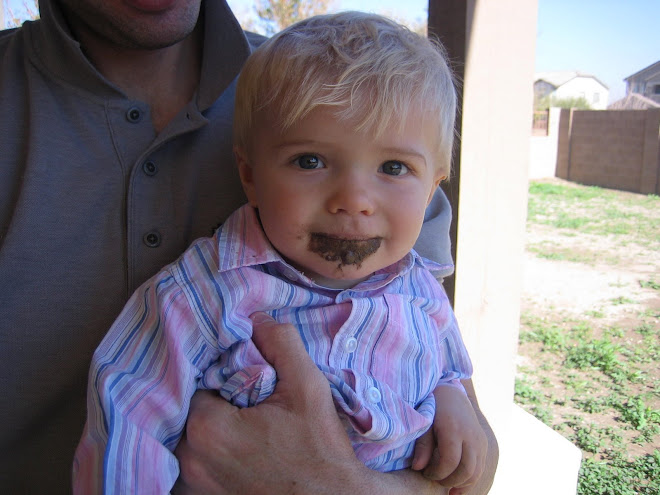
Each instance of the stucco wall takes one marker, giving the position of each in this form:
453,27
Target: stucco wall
498,96
492,44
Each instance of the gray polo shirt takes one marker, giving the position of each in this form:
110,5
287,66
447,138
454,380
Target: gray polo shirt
92,203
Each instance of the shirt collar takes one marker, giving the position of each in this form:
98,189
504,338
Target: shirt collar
242,243
225,50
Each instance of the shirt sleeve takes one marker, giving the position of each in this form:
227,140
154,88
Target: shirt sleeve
453,353
141,380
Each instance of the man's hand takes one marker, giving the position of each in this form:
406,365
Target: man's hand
453,451
290,443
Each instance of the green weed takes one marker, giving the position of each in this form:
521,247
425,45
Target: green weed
638,414
649,313
553,253
621,300
645,329
592,405
595,355
620,476
592,438
649,284
524,391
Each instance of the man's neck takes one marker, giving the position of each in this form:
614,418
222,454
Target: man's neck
165,79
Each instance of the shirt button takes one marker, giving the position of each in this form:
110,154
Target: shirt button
149,168
373,394
351,344
152,239
134,115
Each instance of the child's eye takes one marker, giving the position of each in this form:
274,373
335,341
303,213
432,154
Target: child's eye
394,168
309,162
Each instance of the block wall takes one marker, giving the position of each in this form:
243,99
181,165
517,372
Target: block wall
614,149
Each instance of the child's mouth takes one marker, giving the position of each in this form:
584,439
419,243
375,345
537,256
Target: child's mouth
344,251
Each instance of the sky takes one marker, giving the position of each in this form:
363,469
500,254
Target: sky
608,39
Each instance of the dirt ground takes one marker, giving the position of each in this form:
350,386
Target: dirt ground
597,279
578,288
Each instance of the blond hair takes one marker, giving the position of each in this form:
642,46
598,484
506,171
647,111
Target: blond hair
374,71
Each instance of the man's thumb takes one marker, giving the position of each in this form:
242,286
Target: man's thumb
281,345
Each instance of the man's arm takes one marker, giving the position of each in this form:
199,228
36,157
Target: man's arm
291,443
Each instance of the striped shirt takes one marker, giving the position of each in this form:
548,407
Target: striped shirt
383,345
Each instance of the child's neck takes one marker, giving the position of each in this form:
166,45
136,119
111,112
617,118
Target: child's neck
335,283
327,282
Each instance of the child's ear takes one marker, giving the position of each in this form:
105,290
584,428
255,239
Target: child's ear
245,173
436,184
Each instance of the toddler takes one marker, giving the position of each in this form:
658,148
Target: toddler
343,131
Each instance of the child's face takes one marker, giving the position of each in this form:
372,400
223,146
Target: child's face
338,204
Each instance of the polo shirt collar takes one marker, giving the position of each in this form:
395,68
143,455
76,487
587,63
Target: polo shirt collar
225,51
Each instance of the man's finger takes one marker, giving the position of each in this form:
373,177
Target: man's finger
208,408
210,417
190,469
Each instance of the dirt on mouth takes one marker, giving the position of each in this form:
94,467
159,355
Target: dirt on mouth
343,251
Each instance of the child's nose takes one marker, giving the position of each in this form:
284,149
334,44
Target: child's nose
350,196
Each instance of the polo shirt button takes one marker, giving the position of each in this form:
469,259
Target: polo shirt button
373,394
351,344
149,168
152,239
134,115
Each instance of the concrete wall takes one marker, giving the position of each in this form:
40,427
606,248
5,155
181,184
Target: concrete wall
618,149
543,149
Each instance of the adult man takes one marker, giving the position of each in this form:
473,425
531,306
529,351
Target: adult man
116,154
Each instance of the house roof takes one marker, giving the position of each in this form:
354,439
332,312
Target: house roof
633,101
653,68
559,78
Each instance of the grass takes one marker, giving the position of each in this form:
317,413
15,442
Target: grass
594,380
594,210
552,252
